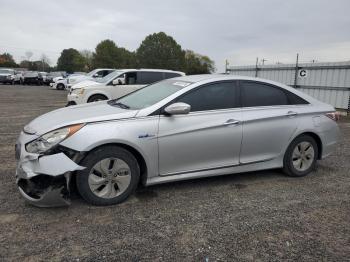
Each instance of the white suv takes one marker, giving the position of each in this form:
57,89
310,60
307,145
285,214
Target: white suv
95,74
117,84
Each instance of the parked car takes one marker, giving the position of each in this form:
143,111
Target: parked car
54,75
8,76
43,76
19,76
182,128
97,73
61,83
117,84
32,77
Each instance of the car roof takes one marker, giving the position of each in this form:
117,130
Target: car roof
151,70
204,77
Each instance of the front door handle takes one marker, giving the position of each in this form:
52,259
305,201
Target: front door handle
231,122
292,114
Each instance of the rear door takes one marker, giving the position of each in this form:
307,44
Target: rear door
269,121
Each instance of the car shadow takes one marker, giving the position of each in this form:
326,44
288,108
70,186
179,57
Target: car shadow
239,181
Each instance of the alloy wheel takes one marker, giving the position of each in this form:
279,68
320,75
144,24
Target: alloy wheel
303,156
109,177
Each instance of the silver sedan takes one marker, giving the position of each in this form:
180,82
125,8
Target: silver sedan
180,128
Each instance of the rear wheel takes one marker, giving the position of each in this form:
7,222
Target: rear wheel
96,98
301,156
111,175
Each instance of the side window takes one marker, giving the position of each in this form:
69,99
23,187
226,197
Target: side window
295,100
131,78
214,96
171,75
104,73
260,94
150,77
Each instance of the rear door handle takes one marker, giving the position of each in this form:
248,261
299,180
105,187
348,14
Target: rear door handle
231,122
292,114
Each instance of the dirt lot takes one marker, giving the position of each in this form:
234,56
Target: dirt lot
261,216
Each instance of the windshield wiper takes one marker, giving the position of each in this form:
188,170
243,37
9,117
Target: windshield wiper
121,105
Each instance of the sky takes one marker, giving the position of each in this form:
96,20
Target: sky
239,31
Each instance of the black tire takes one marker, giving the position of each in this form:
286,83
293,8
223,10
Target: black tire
288,166
95,98
60,87
89,162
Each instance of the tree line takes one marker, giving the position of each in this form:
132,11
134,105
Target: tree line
157,50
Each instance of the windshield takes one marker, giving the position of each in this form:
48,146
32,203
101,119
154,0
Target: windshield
92,72
54,74
5,71
30,73
150,95
108,77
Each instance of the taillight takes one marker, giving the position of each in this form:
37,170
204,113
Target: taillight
335,116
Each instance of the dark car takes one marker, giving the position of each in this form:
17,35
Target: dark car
50,76
33,78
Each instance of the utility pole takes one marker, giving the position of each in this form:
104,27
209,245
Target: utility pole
256,67
226,66
296,71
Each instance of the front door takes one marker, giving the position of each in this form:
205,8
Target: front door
208,137
131,84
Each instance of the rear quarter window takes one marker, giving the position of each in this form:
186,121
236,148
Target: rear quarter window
171,75
261,94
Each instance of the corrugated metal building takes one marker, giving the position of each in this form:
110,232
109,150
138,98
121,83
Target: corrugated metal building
328,82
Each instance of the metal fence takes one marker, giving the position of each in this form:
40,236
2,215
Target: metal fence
327,82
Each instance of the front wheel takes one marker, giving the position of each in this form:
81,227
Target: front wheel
60,87
301,156
96,98
111,175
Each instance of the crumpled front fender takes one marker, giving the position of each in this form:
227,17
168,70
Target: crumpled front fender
52,165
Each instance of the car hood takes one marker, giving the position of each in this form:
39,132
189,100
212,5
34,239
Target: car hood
57,78
85,113
78,79
31,75
85,83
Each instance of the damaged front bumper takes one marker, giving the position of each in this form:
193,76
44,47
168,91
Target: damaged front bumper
43,180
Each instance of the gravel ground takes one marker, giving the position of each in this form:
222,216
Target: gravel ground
260,216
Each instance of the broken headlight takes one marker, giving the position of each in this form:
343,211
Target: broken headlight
50,139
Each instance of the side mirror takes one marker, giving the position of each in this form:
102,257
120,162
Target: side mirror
178,109
96,75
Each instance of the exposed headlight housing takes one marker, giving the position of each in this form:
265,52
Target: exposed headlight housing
50,139
78,91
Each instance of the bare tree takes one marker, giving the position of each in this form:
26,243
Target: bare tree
45,61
